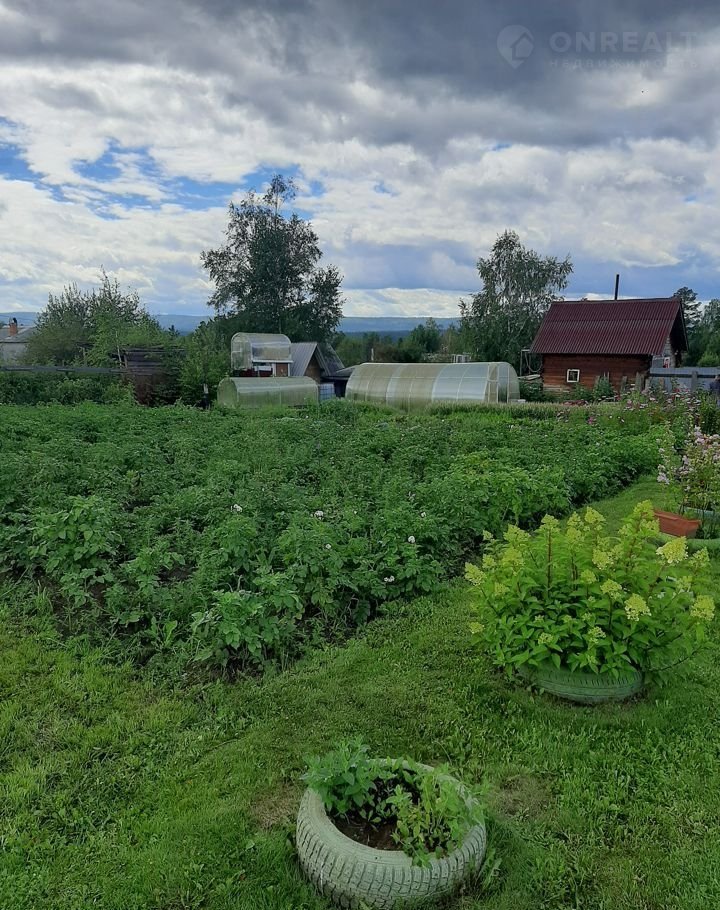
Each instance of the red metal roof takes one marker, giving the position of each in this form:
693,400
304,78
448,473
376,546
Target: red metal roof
610,327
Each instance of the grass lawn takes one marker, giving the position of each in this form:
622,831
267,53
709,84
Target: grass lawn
121,794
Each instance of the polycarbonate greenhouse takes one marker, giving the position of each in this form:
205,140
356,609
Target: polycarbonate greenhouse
235,392
418,385
248,349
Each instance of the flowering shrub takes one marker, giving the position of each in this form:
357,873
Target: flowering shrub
584,600
693,478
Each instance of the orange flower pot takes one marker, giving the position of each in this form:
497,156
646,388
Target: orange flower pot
677,525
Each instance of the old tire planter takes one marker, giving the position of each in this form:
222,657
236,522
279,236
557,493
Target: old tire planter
698,543
351,874
583,687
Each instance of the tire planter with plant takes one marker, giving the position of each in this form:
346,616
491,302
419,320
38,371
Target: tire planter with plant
712,544
589,616
355,874
583,687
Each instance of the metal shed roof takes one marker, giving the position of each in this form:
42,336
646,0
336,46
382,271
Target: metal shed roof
638,326
302,354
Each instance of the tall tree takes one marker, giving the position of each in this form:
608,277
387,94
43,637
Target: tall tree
691,307
91,325
268,273
696,331
705,339
518,286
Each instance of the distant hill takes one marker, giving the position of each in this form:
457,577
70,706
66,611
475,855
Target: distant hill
387,325
395,326
181,322
351,325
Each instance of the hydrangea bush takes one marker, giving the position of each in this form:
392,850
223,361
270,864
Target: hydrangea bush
581,599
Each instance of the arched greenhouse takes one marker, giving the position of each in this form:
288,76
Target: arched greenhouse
418,385
260,354
238,392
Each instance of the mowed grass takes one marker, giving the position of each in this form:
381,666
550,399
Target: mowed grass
120,793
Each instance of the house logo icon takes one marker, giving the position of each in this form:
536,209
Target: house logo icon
515,44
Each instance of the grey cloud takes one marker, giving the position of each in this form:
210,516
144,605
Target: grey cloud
221,87
421,50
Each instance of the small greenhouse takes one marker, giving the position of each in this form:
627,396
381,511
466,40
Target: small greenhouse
418,385
237,392
260,352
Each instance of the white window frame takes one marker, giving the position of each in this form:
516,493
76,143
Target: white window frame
577,376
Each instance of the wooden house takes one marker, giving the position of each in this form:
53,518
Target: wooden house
583,341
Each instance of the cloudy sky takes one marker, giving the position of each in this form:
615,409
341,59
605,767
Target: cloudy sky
416,131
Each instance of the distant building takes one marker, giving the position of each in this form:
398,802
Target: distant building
259,354
583,341
320,362
13,341
255,356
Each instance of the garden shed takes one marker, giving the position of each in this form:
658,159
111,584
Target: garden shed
418,385
314,359
583,341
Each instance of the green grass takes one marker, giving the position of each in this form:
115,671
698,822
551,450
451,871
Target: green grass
118,792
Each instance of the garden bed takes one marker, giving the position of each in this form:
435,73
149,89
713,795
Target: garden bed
122,792
241,540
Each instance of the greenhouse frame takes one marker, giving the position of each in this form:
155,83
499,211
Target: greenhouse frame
253,352
238,392
419,385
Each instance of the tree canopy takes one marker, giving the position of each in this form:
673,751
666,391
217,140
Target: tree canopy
691,307
703,328
267,271
426,342
518,286
90,326
704,337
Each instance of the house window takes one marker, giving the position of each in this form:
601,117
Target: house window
573,376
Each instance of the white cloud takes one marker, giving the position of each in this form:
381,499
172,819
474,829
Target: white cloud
403,302
418,179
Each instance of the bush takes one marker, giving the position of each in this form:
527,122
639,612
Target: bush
43,388
583,600
534,391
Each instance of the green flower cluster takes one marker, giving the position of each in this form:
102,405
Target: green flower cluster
582,599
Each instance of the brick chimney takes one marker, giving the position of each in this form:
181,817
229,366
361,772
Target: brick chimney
13,327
